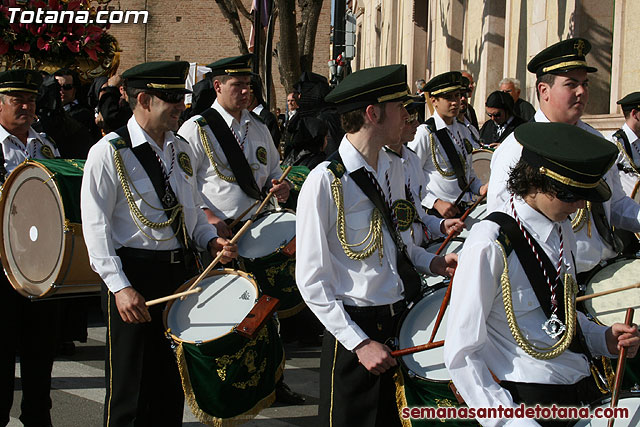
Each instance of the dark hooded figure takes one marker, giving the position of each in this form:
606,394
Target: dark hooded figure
258,107
501,121
203,96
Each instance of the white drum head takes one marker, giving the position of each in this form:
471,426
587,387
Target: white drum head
481,161
267,234
609,309
416,329
631,403
454,246
225,300
476,215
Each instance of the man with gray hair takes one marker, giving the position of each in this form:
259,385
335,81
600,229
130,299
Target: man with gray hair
522,109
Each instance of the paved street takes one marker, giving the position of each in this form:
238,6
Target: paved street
78,388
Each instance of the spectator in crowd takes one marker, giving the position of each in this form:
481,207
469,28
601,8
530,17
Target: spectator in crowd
113,105
471,113
69,81
292,104
258,107
522,108
501,121
462,115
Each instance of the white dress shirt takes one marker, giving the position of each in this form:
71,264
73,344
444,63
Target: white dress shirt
479,340
108,224
326,276
629,179
441,187
620,210
415,181
226,199
15,152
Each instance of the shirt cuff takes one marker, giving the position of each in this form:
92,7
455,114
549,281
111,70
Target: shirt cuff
429,200
117,281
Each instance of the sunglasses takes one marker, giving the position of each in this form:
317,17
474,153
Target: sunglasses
494,115
67,86
169,97
567,197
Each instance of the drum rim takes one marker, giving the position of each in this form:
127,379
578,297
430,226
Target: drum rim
410,371
184,286
280,248
3,254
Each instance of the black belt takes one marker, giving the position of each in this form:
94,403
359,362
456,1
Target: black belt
175,256
583,392
378,310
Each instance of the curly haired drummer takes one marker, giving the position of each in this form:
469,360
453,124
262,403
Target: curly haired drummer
140,213
36,322
353,272
513,314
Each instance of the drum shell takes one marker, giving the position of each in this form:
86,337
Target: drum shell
66,264
275,274
630,400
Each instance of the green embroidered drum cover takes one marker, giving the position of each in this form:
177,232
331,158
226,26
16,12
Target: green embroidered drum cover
297,176
68,176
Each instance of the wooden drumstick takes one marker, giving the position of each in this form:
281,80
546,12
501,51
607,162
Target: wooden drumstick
615,393
463,217
607,292
464,190
243,214
240,232
416,349
173,296
443,308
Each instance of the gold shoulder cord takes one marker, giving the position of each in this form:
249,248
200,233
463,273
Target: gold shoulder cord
626,156
542,353
373,239
206,144
582,218
435,160
176,213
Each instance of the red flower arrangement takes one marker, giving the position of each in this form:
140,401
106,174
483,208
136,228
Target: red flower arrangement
53,42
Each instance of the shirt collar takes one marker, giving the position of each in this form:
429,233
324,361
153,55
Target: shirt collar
4,134
353,160
258,109
541,118
631,135
139,136
228,118
537,224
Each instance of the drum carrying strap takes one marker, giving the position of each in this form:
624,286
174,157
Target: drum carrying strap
408,274
237,161
511,235
450,151
3,170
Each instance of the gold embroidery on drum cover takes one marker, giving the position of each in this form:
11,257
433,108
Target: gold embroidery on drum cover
255,378
272,272
223,362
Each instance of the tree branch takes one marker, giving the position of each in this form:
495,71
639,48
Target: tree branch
243,10
230,12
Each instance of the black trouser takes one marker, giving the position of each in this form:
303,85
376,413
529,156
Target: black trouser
349,394
142,379
31,332
578,395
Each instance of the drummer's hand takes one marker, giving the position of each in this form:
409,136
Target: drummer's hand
229,250
281,190
494,145
483,190
620,335
453,224
374,356
444,265
131,306
446,209
221,226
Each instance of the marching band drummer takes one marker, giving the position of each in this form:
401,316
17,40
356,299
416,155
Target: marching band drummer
424,227
359,290
628,142
235,157
140,210
33,329
444,148
513,312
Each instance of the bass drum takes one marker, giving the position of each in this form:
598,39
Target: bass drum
629,401
42,246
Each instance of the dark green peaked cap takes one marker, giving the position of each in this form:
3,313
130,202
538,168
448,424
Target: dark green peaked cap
444,83
561,57
370,86
630,102
20,80
232,66
168,76
572,159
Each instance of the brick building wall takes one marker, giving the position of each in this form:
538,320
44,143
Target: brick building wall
196,31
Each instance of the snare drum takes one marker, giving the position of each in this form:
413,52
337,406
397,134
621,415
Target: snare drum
424,379
475,216
481,161
267,250
630,401
225,376
454,246
609,309
42,247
